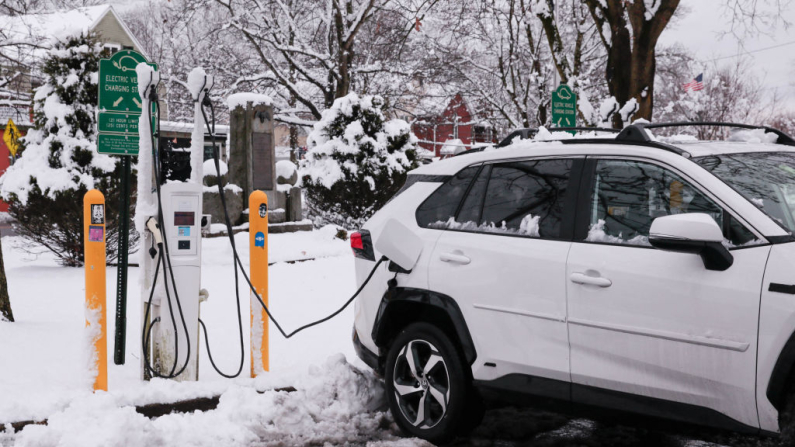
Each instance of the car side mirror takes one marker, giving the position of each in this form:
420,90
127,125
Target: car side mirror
695,233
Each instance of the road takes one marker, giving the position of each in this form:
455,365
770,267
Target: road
524,427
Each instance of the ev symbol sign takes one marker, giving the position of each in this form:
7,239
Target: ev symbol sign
119,103
259,239
564,107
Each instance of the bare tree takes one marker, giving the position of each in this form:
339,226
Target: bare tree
732,93
5,301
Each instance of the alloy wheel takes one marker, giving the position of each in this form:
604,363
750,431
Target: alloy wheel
422,384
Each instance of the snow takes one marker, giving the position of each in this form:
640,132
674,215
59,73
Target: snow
35,162
198,84
527,227
608,107
629,109
651,8
285,169
338,399
241,99
753,136
323,165
331,405
198,81
452,146
92,333
209,168
48,28
597,234
541,8
145,204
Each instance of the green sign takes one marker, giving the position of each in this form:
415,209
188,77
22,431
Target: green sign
118,123
564,107
119,103
117,144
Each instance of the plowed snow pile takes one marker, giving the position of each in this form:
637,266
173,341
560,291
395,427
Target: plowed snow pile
334,404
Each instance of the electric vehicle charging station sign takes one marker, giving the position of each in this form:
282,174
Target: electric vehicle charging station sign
119,103
564,107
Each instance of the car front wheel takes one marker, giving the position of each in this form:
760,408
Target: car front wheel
426,383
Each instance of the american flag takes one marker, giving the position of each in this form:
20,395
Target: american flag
696,84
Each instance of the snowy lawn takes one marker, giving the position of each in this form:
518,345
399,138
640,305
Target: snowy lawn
43,371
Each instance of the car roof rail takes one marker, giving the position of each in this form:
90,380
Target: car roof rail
634,132
527,132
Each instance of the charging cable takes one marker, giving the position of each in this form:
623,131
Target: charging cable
238,264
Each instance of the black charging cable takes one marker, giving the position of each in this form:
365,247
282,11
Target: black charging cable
238,264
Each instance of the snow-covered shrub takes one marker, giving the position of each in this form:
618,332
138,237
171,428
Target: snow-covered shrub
59,162
356,161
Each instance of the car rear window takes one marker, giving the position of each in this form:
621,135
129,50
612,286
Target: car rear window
441,206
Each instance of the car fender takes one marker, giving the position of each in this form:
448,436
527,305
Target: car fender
436,304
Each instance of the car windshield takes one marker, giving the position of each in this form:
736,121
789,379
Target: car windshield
767,179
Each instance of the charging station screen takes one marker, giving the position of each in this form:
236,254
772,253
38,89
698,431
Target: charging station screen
184,218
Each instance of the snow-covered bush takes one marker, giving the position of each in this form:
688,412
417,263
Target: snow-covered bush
59,162
356,161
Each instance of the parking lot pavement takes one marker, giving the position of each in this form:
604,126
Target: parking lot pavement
527,427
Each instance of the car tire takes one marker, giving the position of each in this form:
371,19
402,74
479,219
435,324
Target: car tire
428,401
786,417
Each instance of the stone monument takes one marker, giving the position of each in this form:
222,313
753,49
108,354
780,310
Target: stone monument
252,161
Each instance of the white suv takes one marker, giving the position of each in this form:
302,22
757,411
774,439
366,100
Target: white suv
626,274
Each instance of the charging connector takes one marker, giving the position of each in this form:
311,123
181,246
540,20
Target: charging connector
154,228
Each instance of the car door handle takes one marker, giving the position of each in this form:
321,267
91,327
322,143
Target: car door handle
581,278
456,258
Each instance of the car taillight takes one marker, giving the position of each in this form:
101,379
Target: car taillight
362,245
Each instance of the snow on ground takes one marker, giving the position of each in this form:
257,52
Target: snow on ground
338,399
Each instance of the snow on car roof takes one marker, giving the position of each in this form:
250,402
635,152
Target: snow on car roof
527,148
704,148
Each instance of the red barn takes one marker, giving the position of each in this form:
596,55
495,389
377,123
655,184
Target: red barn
456,122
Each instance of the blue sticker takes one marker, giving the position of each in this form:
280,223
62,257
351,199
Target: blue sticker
183,231
259,239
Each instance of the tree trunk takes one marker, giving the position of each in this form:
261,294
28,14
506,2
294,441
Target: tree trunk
5,301
631,58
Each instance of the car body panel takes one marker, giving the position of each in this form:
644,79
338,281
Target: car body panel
667,327
513,299
776,325
401,208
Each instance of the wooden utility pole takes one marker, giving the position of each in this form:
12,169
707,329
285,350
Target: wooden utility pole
5,301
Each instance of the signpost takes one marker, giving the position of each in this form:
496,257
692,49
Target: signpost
564,107
117,126
11,139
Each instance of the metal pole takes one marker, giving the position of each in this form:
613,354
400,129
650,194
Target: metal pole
121,273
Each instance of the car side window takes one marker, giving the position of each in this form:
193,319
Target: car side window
442,204
628,195
522,198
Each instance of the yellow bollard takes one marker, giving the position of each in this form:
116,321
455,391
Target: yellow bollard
258,243
94,252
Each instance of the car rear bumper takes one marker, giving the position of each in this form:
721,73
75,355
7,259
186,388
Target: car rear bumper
370,358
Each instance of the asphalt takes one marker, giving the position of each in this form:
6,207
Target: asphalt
511,426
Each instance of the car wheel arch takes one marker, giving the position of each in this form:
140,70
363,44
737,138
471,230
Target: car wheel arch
782,375
402,306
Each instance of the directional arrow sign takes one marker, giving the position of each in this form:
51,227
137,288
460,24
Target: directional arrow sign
119,103
564,107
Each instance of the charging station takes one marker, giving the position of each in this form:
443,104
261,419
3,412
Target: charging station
182,210
169,219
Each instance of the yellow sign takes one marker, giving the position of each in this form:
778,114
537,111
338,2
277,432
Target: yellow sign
11,137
